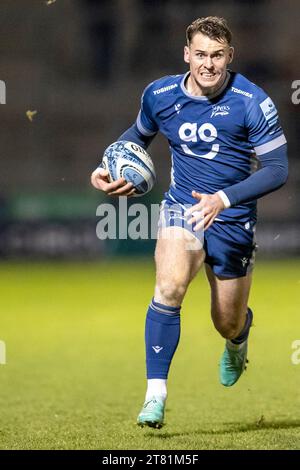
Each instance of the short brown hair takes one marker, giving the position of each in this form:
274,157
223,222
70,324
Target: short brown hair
212,26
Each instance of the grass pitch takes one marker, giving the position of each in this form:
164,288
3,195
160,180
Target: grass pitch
74,377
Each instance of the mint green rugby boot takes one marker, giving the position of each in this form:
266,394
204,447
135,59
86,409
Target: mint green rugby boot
152,413
233,363
234,359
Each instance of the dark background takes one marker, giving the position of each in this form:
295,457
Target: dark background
82,65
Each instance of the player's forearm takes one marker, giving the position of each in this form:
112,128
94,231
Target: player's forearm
271,176
134,135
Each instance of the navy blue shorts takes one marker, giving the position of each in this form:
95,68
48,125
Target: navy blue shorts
229,247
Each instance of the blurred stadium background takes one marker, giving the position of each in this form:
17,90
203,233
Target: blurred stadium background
82,65
75,364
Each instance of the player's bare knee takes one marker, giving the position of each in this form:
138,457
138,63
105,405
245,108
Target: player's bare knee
170,292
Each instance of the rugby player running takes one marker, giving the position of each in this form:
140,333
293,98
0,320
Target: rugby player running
215,121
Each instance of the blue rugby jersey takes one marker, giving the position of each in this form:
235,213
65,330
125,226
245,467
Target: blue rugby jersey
212,139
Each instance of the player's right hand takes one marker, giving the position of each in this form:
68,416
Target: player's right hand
100,180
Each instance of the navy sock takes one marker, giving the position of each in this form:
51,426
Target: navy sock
162,334
245,331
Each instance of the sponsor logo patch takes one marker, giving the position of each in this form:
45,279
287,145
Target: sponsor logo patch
164,89
269,111
241,92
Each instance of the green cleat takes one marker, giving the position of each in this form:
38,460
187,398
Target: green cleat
152,413
233,363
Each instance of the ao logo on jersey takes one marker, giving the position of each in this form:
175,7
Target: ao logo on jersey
207,132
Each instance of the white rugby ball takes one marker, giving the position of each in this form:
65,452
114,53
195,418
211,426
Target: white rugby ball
132,162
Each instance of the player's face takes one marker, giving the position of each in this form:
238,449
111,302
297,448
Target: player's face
208,60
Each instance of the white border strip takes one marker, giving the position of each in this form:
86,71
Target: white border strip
224,198
141,128
269,146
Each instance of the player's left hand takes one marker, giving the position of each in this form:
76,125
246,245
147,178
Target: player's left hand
205,211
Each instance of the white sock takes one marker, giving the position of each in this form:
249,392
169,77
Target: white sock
157,388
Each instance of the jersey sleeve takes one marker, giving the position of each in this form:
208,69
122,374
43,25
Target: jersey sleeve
264,130
145,121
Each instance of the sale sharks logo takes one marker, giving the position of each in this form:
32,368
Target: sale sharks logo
218,110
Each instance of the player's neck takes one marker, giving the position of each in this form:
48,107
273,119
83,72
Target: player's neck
194,88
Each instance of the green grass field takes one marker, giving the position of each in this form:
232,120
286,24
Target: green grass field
74,377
